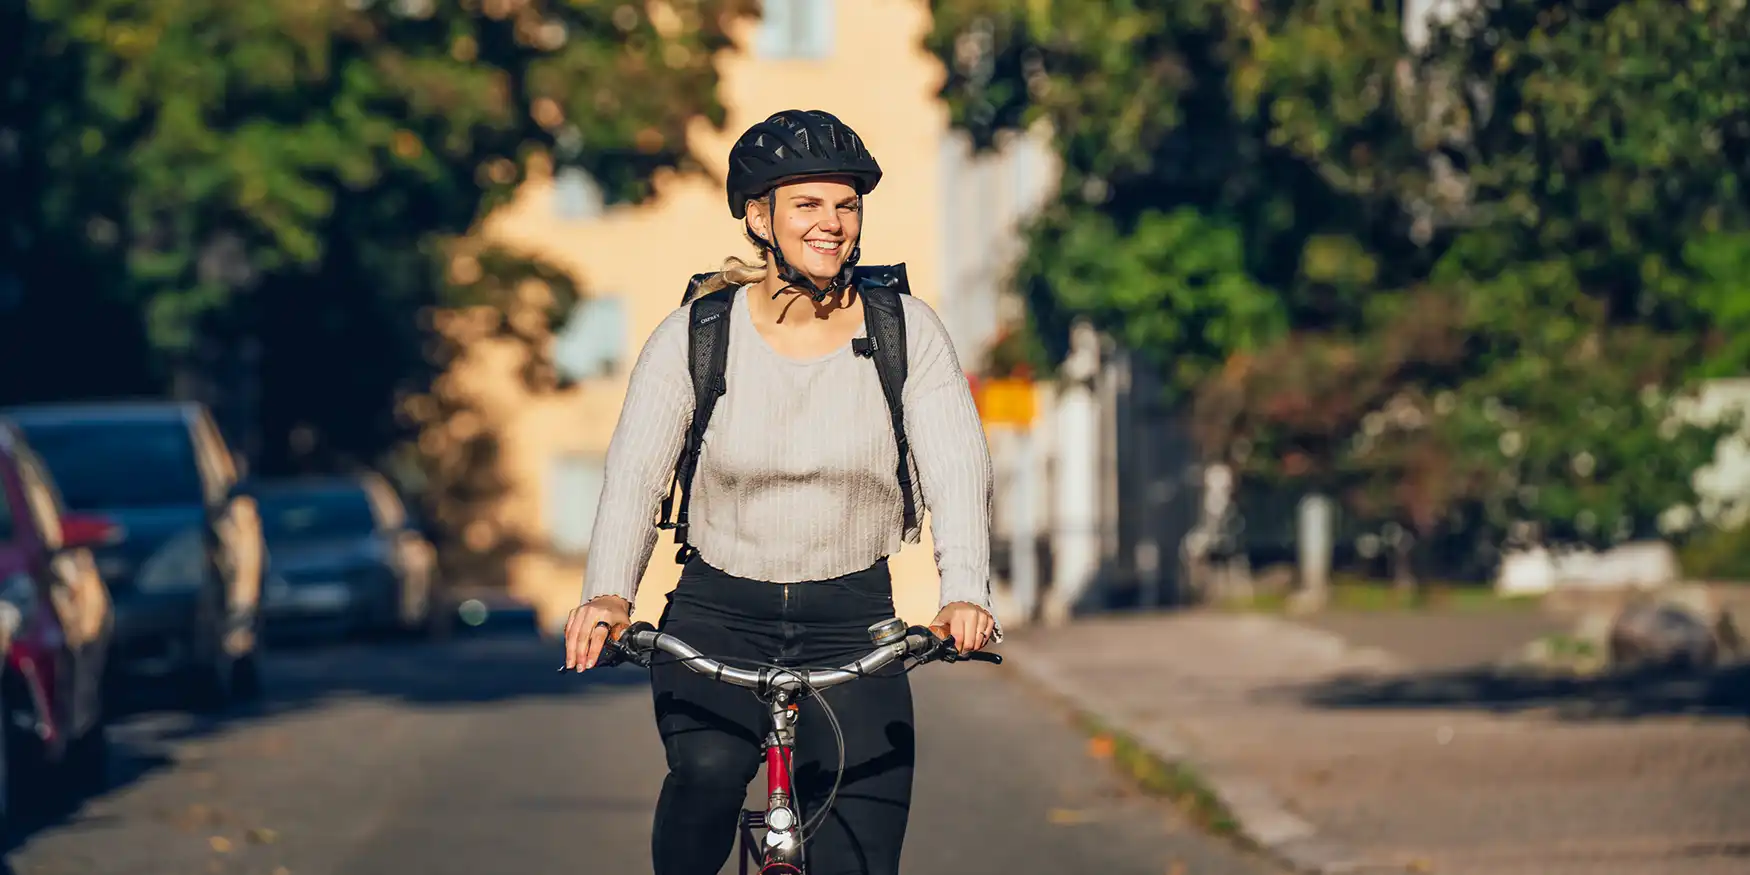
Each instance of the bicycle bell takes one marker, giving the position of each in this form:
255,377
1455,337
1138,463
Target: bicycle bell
887,631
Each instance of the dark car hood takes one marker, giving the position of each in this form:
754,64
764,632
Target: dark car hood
146,529
296,558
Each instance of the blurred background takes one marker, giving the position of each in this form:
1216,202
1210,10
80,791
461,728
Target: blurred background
1423,326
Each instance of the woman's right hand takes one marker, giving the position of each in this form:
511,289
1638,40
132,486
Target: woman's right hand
586,631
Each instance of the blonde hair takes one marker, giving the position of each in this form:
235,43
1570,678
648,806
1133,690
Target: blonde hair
735,272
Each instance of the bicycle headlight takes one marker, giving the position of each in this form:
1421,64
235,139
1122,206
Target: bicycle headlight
780,819
179,565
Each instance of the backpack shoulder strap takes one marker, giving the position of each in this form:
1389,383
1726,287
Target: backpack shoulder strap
881,276
884,318
694,283
707,359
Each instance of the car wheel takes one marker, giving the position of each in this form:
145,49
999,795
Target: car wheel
5,782
88,760
28,786
246,685
206,688
208,676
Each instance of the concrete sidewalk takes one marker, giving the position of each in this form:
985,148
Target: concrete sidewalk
1335,757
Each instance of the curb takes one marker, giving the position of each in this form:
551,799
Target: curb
1261,816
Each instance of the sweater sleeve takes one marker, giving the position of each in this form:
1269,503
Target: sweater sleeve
953,460
641,456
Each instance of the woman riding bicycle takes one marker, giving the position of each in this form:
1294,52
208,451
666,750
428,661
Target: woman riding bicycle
796,508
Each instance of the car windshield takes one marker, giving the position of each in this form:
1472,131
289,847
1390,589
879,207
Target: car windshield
303,516
100,465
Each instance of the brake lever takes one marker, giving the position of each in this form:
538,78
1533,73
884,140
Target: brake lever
612,654
950,653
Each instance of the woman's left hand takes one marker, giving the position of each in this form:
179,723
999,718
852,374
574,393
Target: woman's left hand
970,625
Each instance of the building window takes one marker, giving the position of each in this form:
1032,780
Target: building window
574,487
576,196
797,29
593,342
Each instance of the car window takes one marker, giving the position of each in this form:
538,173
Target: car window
101,465
215,457
44,504
306,515
6,526
390,514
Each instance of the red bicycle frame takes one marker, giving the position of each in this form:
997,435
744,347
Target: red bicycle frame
781,821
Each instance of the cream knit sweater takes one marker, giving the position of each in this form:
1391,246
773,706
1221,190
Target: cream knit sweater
796,480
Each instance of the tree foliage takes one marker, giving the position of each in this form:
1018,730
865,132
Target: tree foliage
181,175
1468,283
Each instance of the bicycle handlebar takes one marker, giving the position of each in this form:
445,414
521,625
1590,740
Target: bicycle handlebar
638,642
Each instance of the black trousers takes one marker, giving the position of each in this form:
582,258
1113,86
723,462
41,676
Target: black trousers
712,732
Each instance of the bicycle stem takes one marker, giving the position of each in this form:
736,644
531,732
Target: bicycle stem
783,819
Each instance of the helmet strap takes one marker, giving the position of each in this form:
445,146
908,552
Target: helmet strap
795,279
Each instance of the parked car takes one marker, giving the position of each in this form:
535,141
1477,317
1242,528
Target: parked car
56,625
186,574
346,559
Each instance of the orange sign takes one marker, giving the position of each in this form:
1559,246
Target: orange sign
1006,402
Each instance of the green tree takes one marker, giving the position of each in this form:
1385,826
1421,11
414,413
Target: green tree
184,175
1461,287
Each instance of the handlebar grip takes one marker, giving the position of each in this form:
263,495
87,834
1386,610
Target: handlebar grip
618,632
953,653
613,651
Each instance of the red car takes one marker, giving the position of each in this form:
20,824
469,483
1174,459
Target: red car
55,628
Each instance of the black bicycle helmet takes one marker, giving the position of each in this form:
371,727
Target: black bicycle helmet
792,144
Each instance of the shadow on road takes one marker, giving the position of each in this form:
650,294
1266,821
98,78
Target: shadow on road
492,666
1723,693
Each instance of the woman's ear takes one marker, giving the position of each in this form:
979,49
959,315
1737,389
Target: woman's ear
759,221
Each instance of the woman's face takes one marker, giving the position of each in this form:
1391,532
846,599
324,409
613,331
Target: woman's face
815,224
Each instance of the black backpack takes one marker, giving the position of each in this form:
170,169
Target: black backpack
708,357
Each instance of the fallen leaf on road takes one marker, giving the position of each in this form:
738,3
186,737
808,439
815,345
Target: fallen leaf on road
1100,747
261,835
272,745
220,844
1419,865
281,870
1178,868
1067,816
195,817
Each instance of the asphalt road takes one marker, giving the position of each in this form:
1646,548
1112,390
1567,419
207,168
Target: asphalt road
477,757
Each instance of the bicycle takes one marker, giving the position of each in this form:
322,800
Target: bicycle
782,689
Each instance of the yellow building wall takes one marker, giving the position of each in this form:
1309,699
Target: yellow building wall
885,88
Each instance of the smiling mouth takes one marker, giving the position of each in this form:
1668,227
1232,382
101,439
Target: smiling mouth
827,247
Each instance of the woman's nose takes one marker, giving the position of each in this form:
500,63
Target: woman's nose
831,222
